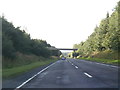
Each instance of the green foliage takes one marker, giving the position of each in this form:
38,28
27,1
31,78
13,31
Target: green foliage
14,71
56,53
106,61
15,40
7,47
106,36
39,48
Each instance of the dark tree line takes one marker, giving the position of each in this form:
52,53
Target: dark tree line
106,36
16,40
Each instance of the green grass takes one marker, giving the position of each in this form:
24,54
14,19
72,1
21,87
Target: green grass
20,60
110,55
107,61
12,72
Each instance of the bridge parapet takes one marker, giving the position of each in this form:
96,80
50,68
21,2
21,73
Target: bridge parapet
66,49
52,48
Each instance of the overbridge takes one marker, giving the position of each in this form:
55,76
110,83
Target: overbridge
67,49
52,48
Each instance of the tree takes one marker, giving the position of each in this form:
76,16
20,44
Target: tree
105,36
17,40
7,47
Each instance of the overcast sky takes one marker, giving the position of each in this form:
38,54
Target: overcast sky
61,23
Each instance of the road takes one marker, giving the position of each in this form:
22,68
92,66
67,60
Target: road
72,73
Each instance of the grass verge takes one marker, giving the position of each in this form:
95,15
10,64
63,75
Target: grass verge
106,61
11,72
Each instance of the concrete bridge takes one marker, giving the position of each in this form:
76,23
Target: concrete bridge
52,48
67,49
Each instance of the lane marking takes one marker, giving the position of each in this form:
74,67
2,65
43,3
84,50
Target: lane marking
58,77
70,62
102,64
73,64
88,75
33,77
114,66
107,65
76,66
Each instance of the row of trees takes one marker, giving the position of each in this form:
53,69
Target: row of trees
106,36
16,40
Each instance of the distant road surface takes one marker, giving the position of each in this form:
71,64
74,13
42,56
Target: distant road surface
72,73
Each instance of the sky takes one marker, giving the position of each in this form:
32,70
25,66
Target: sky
62,23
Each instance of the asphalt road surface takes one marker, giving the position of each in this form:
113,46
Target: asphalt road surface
72,73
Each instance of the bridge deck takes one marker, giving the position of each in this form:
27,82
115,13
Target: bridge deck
66,49
52,48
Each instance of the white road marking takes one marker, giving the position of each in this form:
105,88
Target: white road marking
107,65
76,66
102,64
58,77
114,66
88,75
33,76
70,62
73,64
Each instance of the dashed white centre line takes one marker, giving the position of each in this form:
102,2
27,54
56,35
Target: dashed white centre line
88,75
73,64
76,66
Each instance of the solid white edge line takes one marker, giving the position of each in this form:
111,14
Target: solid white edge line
107,65
88,75
33,76
103,64
114,66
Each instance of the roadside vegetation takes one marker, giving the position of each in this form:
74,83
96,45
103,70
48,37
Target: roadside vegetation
103,45
105,61
18,70
21,53
15,40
